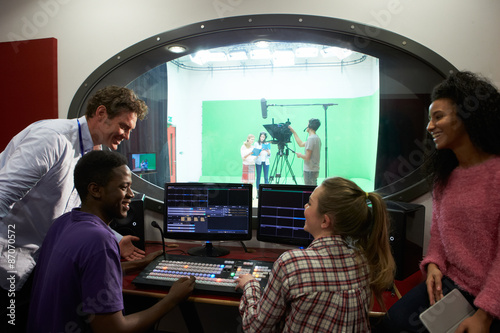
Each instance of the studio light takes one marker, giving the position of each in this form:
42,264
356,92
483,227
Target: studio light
176,48
306,52
200,57
238,55
260,54
216,56
262,44
338,52
270,55
283,58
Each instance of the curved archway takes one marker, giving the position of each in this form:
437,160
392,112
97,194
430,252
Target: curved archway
407,72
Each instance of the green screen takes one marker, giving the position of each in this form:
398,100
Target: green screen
352,132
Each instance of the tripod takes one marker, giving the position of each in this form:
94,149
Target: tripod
279,163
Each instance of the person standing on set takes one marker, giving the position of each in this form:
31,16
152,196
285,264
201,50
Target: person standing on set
312,153
248,157
262,161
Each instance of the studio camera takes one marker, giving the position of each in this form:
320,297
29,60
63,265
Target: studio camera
280,133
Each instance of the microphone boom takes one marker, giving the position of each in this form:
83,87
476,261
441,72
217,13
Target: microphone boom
263,107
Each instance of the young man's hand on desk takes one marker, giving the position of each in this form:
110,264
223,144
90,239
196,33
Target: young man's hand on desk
132,266
128,250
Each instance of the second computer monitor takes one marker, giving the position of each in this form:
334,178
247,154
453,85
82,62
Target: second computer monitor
281,214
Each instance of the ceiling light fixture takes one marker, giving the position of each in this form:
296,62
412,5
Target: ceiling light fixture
336,51
237,55
260,54
176,48
306,52
216,56
262,44
283,58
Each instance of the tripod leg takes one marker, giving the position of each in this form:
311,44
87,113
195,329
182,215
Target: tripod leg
290,169
277,169
280,166
274,168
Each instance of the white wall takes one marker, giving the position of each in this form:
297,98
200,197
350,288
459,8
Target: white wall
90,32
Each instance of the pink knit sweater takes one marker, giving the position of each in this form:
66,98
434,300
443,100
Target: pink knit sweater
465,231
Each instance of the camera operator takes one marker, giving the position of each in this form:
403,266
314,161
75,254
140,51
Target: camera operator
313,147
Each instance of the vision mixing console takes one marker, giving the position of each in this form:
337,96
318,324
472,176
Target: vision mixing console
213,275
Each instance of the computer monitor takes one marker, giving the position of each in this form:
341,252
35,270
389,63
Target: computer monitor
141,163
281,214
208,212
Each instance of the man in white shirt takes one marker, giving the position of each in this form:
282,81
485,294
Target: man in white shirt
36,183
312,153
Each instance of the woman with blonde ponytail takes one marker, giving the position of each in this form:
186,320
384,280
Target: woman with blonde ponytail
327,287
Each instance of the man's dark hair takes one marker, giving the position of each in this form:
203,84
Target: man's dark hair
117,100
96,167
314,124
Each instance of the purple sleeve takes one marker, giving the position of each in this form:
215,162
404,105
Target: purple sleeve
102,283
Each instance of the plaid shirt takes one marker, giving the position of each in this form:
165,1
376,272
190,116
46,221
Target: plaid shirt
324,288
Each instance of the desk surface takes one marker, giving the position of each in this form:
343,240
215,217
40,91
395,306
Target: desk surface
263,254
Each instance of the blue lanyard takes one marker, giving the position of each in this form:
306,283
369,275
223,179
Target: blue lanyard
80,136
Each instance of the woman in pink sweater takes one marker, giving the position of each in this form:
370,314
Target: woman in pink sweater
464,249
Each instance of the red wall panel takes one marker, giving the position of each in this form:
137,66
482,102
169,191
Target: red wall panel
28,84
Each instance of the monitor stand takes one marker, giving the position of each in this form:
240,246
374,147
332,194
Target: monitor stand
208,251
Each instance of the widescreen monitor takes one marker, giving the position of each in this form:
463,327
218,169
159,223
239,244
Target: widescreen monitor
208,212
281,214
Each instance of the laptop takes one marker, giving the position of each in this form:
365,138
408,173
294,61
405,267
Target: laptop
447,314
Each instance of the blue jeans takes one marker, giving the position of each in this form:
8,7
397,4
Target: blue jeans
258,168
403,316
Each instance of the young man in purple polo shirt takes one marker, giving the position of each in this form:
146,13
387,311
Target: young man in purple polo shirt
78,277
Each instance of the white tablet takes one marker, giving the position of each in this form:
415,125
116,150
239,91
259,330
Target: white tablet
447,314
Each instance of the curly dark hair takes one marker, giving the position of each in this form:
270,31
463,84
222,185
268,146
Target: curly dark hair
477,103
116,100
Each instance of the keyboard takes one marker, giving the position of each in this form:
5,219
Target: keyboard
213,275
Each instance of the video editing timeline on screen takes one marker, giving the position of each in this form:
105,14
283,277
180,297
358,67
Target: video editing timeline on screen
281,214
213,275
205,209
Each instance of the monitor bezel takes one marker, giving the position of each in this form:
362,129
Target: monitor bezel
274,239
208,236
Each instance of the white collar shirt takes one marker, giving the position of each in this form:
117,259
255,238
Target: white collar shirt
36,186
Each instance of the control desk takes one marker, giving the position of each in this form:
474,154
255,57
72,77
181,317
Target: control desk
214,275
